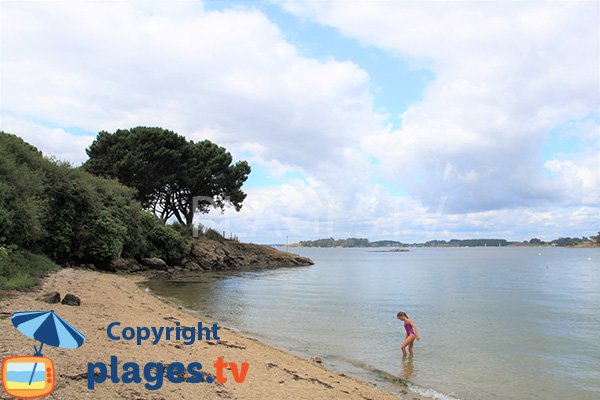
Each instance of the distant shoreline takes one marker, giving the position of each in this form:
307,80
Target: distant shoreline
568,242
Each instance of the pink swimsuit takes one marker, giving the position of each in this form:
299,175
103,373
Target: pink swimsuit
409,329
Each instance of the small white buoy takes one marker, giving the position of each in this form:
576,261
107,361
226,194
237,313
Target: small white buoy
539,254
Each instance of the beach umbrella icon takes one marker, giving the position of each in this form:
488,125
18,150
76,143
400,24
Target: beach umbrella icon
48,328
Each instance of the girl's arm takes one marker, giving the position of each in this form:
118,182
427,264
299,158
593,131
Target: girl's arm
415,328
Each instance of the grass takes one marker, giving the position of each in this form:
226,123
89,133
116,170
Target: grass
20,269
212,234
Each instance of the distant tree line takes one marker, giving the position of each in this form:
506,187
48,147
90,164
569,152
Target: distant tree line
565,241
362,242
331,242
467,243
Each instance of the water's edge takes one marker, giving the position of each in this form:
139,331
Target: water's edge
353,368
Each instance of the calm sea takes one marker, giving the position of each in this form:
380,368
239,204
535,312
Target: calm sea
496,323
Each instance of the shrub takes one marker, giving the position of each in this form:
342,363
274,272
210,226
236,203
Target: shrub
166,243
71,215
20,269
106,237
214,235
183,230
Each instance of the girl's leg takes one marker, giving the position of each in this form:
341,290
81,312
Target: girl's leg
410,347
408,341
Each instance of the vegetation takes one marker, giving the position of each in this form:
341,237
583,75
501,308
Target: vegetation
354,242
565,242
331,242
48,207
467,243
172,176
20,269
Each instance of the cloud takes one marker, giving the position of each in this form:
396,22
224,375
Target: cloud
505,75
231,74
468,152
54,142
300,210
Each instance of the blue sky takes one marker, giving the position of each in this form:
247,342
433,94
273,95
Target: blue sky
388,120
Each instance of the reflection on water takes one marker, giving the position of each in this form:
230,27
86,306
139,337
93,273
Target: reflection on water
496,323
407,368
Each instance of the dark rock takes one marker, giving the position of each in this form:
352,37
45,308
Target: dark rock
71,300
137,267
154,263
110,267
50,297
126,265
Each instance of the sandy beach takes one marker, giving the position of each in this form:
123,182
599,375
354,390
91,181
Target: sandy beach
105,298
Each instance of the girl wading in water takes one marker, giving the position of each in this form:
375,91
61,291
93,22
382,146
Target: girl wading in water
412,333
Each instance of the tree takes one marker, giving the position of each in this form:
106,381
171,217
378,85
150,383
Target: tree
172,176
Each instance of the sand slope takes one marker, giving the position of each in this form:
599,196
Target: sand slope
273,374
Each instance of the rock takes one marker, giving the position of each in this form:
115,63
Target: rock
120,264
230,255
316,359
192,266
154,263
126,265
71,300
50,297
110,267
299,260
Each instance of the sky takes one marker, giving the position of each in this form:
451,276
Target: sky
407,121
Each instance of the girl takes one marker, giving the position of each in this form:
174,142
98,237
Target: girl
412,333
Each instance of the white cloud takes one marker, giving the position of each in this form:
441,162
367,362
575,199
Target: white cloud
103,66
505,74
303,210
55,142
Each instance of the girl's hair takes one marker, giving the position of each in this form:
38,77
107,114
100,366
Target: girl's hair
401,314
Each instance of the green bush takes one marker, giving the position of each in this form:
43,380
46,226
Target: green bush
70,215
21,186
106,237
166,243
183,230
214,235
20,269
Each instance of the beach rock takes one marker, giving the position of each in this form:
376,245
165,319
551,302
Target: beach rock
192,266
50,297
154,263
71,300
135,266
126,265
316,359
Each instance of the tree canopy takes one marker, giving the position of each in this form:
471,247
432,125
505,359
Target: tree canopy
173,176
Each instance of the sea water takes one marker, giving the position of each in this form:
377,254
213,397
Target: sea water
495,323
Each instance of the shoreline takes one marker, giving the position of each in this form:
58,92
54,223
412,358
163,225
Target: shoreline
105,298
